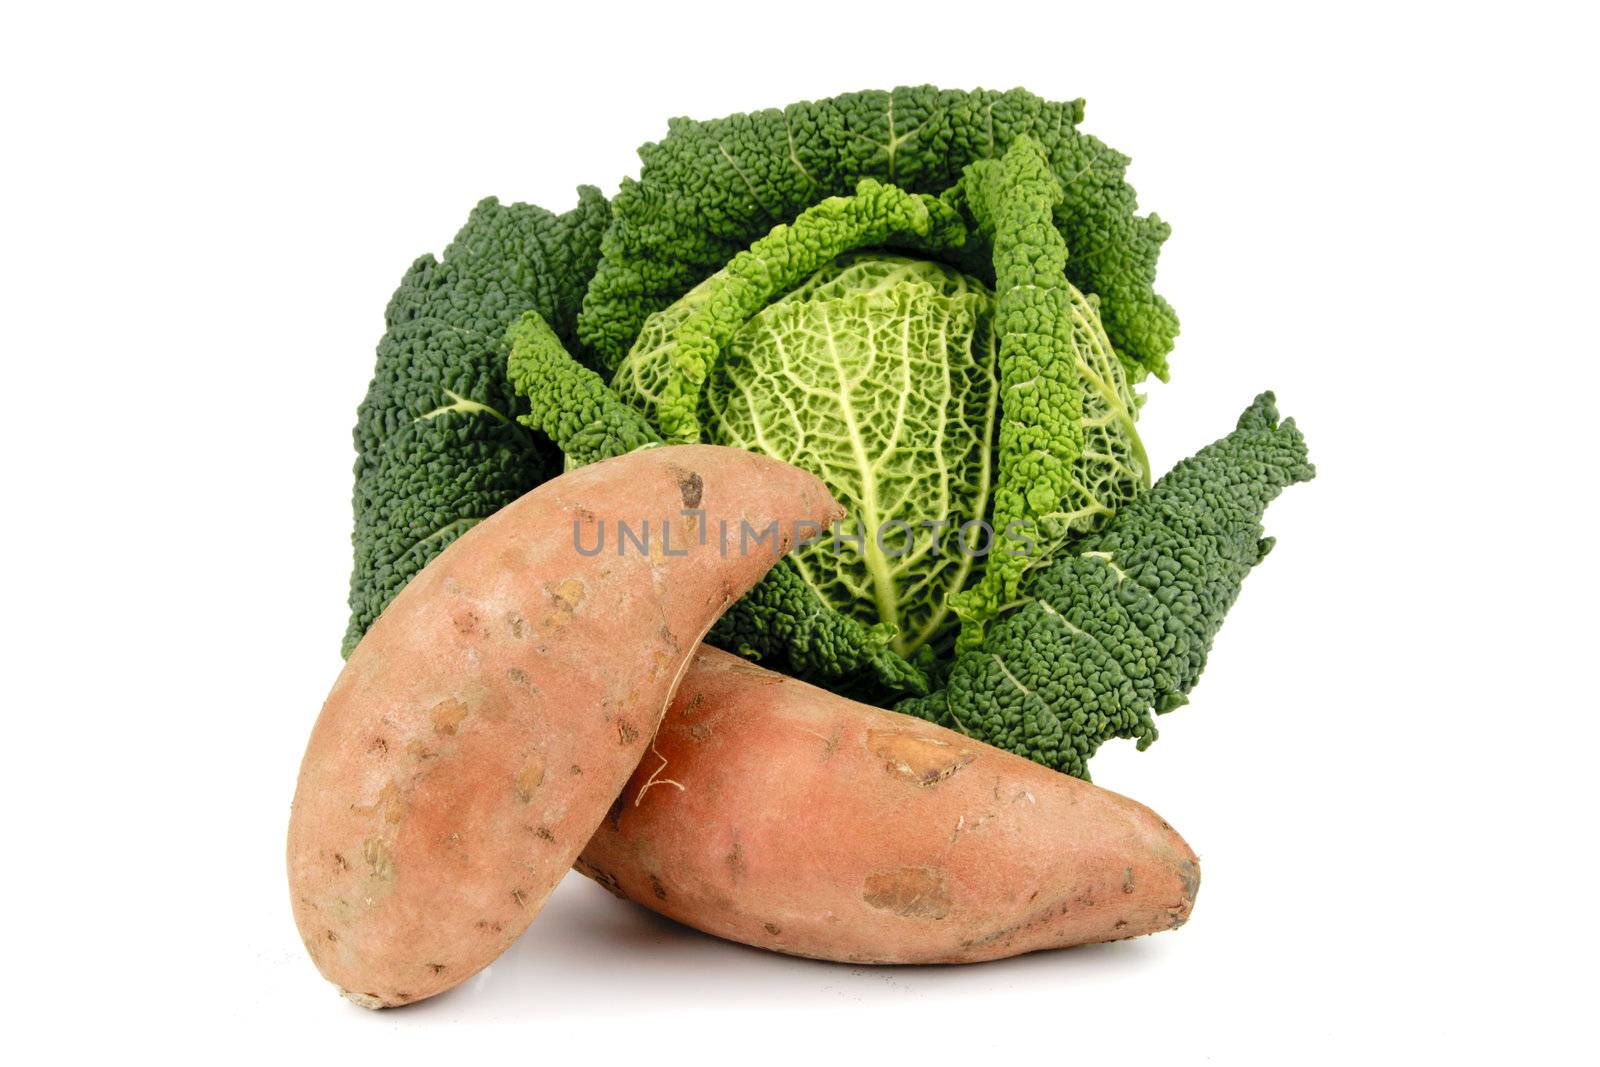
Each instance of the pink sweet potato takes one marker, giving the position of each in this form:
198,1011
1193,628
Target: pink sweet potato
477,735
774,813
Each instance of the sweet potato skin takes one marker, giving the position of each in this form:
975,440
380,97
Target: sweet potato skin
780,815
477,735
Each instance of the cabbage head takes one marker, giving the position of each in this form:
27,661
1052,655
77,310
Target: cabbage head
937,302
968,434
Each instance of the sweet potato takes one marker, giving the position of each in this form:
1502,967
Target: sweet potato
480,730
777,814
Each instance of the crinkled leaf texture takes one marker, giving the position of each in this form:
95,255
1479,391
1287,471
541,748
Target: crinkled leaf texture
1120,629
800,617
437,441
709,189
567,402
776,263
879,377
921,399
1041,406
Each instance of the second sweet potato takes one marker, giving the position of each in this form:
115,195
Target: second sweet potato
777,814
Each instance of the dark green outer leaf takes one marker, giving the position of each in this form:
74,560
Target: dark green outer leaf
709,189
1119,630
438,446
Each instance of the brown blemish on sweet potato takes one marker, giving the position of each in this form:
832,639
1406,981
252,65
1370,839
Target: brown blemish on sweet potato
659,890
379,747
606,880
772,928
446,716
530,778
568,595
691,487
830,745
669,639
389,805
909,892
916,757
735,861
994,937
565,597
1127,879
380,861
1035,919
662,663
627,733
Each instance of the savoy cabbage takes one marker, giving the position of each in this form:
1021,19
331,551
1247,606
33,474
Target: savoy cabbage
968,431
941,303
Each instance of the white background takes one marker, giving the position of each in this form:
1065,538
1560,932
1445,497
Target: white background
1384,212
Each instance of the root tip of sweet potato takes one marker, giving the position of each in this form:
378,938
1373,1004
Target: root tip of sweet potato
1189,878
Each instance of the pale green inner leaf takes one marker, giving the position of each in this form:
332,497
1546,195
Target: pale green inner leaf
879,377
